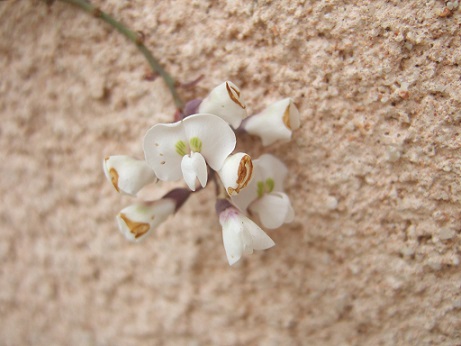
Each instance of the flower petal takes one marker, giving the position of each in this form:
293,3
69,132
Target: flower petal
290,214
127,174
260,240
268,166
164,147
231,230
193,166
247,195
236,172
240,234
225,101
266,169
273,209
275,123
137,221
216,137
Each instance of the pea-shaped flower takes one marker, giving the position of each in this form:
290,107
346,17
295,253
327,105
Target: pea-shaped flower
275,123
264,194
183,149
127,174
226,102
138,220
236,173
240,234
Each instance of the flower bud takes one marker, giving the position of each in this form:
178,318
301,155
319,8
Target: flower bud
236,172
225,101
138,220
126,174
275,123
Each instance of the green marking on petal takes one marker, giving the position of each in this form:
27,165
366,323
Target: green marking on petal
195,144
260,189
265,187
181,148
270,185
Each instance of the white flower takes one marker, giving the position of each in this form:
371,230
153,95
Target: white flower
240,234
236,172
127,174
225,101
183,149
264,194
275,123
138,220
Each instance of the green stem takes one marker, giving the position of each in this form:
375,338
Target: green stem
136,39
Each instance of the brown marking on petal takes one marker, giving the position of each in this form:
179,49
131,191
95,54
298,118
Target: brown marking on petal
230,91
286,117
236,90
114,178
244,173
138,229
162,163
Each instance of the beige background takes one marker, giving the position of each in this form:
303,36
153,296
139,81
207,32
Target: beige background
373,257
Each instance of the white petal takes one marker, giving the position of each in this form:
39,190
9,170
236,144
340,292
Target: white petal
194,166
290,215
137,221
275,123
247,195
127,174
160,150
247,241
225,101
236,173
218,139
273,209
231,230
260,240
241,235
268,166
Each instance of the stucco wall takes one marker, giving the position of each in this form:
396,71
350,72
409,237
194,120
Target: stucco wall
375,175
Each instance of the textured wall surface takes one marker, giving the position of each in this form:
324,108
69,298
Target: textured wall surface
373,256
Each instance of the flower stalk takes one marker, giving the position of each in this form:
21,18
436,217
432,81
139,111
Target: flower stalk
136,38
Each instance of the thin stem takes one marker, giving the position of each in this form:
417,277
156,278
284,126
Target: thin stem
134,37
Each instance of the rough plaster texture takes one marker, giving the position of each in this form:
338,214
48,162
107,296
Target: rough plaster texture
373,257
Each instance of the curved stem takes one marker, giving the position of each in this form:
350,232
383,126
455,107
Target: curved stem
134,37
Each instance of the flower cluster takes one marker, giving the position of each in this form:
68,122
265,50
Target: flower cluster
199,148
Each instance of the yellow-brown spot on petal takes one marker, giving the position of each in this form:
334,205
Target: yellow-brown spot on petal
114,178
138,229
237,91
245,171
231,91
286,117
